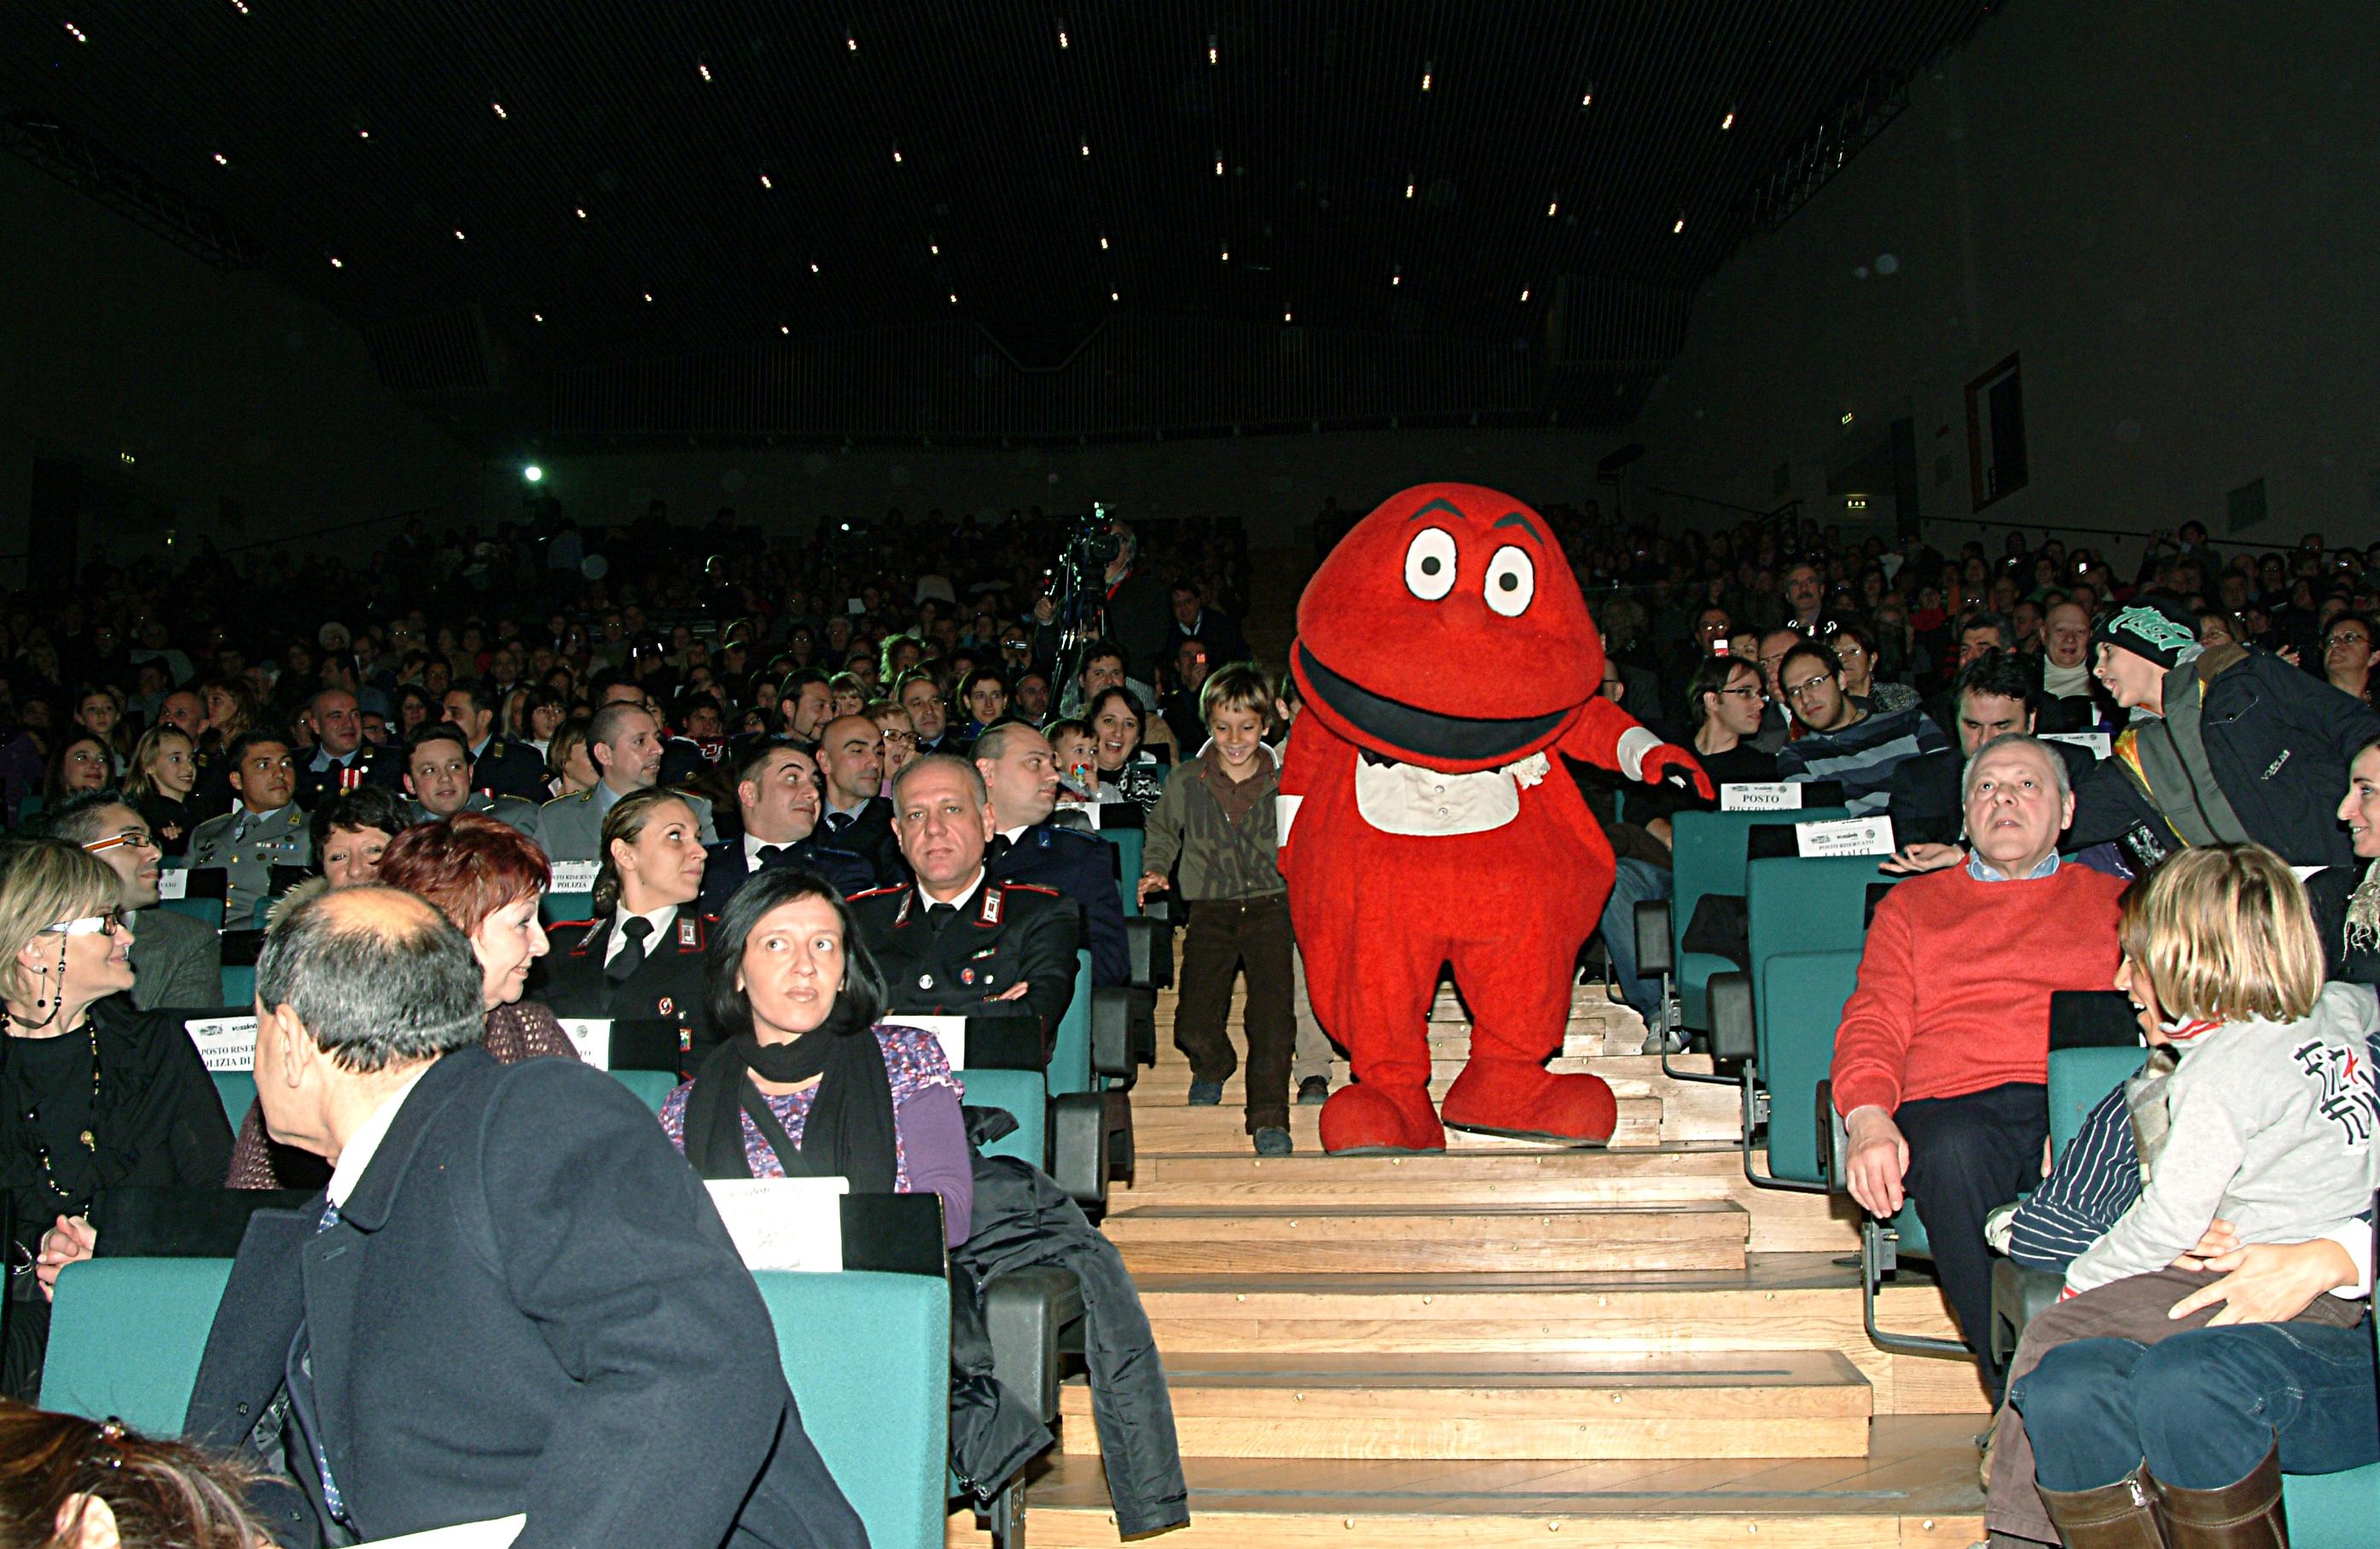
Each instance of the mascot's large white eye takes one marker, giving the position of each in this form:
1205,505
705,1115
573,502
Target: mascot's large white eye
1429,563
1512,581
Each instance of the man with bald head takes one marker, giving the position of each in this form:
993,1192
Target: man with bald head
2066,681
853,815
512,1284
1020,773
343,760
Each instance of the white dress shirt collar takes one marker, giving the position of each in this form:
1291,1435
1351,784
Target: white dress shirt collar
361,1146
662,918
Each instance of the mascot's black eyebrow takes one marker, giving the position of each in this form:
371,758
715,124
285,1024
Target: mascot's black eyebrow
1448,506
1514,519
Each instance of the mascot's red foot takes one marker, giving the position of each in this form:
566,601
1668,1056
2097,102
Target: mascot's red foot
1529,1102
1375,1116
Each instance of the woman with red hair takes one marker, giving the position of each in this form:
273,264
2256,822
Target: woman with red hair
489,879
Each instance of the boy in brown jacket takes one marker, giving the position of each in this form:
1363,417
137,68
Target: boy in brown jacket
1217,817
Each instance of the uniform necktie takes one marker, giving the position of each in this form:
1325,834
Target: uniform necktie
1000,846
767,854
838,821
941,915
631,955
302,1363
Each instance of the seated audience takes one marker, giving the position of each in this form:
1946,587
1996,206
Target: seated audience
624,743
71,1482
1942,1053
641,955
569,768
533,1289
851,758
895,735
1020,772
1840,741
352,830
1117,723
439,776
806,1079
777,795
94,1093
80,761
1724,704
2347,656
920,695
955,941
983,694
1996,694
500,766
267,829
163,770
343,759
489,882
2066,680
2258,1146
2224,747
1857,648
177,960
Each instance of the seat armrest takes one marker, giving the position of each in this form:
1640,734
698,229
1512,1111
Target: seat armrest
1835,1147
1145,945
1025,1313
1653,937
1118,1014
1078,1147
2018,1295
1731,1031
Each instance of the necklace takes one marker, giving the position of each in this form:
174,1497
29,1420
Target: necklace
89,1142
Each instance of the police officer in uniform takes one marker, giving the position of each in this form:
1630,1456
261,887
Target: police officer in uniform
1021,774
777,800
498,765
624,743
438,778
266,830
641,956
343,758
955,941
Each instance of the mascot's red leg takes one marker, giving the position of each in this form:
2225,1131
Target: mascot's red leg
1380,1013
1519,995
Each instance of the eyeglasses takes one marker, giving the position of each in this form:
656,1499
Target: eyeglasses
89,924
1801,691
1752,693
140,838
2334,641
900,739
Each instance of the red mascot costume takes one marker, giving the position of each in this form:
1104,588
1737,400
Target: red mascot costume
1446,656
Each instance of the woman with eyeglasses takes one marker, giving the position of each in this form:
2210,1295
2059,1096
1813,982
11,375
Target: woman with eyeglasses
93,1094
2346,655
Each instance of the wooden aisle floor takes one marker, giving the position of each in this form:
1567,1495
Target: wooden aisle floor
1504,1342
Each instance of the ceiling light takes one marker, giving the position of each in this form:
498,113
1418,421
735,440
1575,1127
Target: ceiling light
1587,98
1061,36
1728,122
896,155
1285,316
704,69
1847,417
1409,188
580,211
851,40
364,134
935,249
337,263
1114,296
1551,205
1103,242
764,181
75,33
814,267
500,110
221,160
954,298
239,6
1397,278
785,328
1213,56
1086,148
649,297
537,317
1524,293
1679,227
460,237
1425,75
1227,255
534,474
127,458
1218,166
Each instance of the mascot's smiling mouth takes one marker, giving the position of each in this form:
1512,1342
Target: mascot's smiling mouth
1419,732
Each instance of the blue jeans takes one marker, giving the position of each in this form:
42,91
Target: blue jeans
2202,1408
1632,882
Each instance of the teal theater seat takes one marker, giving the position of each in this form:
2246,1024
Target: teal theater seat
126,1337
1708,855
559,908
652,1087
1069,1050
238,986
1026,1097
238,1091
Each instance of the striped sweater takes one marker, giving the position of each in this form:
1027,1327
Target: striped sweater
1862,756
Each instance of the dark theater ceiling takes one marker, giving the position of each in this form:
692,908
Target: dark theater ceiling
555,197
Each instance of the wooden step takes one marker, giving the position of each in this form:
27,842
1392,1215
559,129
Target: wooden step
1775,1301
1387,1240
1916,1489
1773,1404
1692,1170
1165,1122
1691,1110
1447,1041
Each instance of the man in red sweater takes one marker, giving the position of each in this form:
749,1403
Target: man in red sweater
1942,1059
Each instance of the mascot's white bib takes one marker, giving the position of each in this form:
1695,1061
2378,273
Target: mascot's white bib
1431,804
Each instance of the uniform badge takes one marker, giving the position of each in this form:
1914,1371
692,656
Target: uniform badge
667,1007
686,934
966,975
925,981
991,901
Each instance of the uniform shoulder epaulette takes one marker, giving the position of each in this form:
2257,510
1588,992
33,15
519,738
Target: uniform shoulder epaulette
1030,888
878,892
569,924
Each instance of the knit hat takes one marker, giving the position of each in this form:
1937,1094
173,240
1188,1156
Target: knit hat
2157,628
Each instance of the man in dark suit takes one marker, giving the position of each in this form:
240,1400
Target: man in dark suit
1020,773
955,941
513,1296
853,817
341,760
777,795
1996,694
177,960
1192,619
500,767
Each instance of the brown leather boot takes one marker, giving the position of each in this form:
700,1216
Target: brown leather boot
2245,1514
2118,1516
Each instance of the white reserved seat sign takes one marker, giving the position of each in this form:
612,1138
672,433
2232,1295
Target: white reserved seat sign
591,1037
225,1043
949,1032
783,1223
1769,796
2098,742
495,1534
1847,836
573,876
173,884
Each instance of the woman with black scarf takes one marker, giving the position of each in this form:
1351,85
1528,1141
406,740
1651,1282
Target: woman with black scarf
93,1094
808,1082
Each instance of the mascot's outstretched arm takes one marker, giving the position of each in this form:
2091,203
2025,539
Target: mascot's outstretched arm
1609,738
